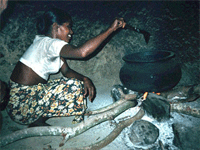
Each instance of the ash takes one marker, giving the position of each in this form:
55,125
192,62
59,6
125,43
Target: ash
166,135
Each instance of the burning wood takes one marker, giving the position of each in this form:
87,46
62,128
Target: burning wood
157,93
145,95
156,106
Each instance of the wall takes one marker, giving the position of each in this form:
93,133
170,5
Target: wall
173,26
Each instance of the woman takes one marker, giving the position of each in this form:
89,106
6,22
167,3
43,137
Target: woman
35,98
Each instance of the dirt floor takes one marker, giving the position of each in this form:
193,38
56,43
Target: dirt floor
173,26
93,135
99,132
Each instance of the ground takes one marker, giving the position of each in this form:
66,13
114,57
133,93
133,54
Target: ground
99,132
173,26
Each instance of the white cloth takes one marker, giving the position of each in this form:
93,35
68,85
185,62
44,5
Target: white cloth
43,56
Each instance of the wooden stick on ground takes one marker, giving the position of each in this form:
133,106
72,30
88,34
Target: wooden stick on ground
111,137
185,108
67,132
124,97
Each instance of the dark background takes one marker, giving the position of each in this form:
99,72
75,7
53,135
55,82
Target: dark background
173,25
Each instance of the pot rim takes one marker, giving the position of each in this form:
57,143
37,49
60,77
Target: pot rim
148,56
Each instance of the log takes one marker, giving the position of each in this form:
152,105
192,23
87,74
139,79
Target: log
67,132
114,134
124,97
97,119
190,106
182,94
186,108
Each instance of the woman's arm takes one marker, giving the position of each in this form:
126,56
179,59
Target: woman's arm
69,51
3,5
89,87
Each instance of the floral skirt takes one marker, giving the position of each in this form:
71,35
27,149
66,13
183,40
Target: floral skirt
56,98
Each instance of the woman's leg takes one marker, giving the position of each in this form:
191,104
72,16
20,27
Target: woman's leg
25,105
34,104
67,99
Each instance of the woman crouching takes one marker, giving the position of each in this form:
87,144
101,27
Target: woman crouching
33,96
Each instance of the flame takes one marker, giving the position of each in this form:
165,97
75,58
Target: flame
157,93
145,95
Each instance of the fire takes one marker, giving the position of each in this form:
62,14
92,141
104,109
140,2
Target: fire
157,93
146,94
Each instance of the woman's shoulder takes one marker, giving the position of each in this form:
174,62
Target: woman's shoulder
47,38
41,37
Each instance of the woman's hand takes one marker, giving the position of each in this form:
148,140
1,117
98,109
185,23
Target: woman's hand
89,89
118,23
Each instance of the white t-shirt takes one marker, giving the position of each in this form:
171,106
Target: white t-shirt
43,56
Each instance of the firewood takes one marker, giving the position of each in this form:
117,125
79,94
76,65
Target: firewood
67,132
111,137
123,97
157,106
185,108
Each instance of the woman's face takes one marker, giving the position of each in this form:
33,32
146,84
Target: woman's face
65,32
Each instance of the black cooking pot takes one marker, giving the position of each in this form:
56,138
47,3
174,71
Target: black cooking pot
150,71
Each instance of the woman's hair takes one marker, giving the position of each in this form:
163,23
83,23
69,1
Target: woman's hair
51,16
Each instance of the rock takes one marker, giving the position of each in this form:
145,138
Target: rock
186,137
143,133
115,93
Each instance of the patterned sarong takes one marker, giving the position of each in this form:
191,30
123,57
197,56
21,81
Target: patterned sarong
56,98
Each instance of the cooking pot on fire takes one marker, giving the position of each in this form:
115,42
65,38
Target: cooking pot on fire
150,71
